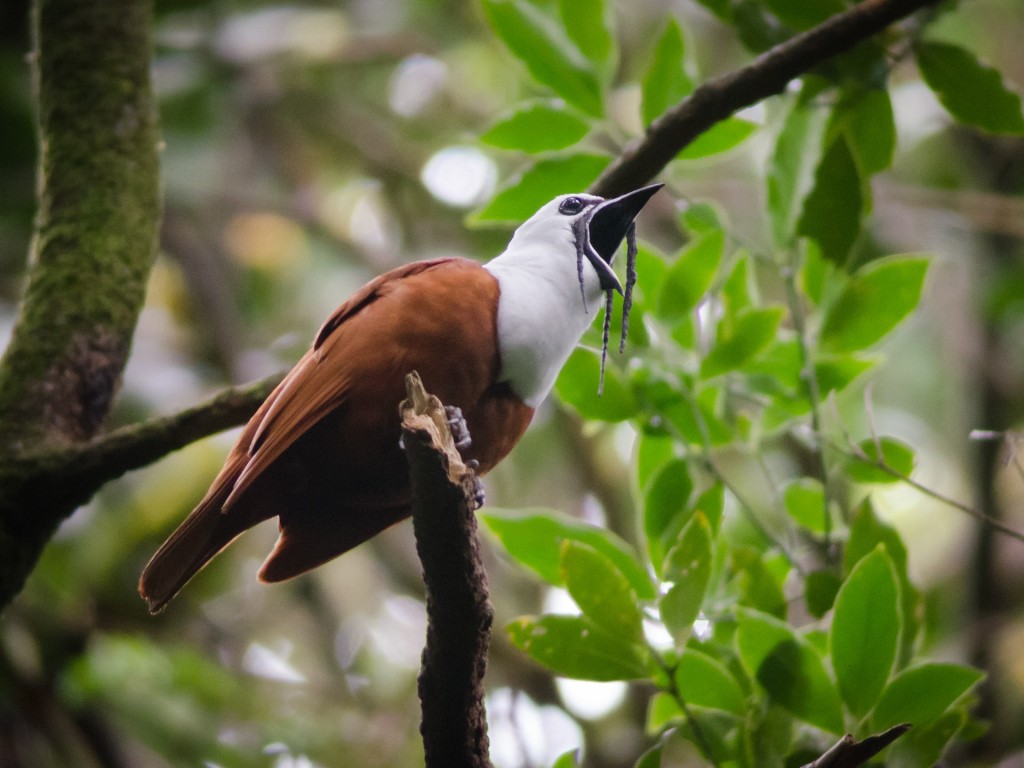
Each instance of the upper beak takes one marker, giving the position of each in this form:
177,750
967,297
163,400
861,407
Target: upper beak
607,227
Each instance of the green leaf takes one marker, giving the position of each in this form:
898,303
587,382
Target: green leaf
894,454
923,746
723,9
687,568
705,682
665,83
521,198
789,669
577,385
815,272
699,218
865,631
666,506
753,330
790,173
921,694
804,500
689,277
539,126
972,92
601,590
548,54
820,589
574,646
590,26
833,210
760,587
651,267
736,288
877,297
868,122
866,533
695,421
651,758
712,504
662,711
721,137
534,538
652,453
568,759
837,372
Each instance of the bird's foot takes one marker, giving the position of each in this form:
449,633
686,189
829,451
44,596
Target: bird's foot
478,497
457,425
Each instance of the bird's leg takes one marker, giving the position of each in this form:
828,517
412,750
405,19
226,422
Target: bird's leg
457,424
460,434
478,485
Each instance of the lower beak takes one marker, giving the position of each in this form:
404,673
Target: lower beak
607,227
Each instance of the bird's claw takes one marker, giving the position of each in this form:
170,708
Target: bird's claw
458,427
478,497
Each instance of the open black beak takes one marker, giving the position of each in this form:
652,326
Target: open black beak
606,228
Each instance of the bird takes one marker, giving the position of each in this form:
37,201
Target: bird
322,453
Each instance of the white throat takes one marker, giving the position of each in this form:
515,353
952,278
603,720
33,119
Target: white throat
541,311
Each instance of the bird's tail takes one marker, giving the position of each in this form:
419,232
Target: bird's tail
205,532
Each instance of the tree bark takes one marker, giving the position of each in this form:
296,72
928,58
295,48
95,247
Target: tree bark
99,210
459,613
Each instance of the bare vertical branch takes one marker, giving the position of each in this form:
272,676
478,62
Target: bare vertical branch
459,613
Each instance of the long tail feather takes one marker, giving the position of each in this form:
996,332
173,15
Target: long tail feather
203,534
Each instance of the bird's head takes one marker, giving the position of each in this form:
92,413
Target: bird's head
590,228
595,226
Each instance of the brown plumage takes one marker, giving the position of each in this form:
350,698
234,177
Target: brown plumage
322,452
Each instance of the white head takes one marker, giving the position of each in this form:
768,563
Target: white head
552,275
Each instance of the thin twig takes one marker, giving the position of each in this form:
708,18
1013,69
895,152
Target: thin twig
854,451
850,753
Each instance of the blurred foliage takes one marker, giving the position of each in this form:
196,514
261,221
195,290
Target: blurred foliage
729,526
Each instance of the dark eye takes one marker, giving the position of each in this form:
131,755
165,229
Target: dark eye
571,206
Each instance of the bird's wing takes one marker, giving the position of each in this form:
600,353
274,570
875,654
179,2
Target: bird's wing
304,396
319,382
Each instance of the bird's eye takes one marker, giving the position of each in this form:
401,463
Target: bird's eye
571,206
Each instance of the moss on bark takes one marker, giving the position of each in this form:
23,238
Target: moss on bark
96,229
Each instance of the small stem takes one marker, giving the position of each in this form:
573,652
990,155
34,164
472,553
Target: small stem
810,381
698,734
855,452
709,463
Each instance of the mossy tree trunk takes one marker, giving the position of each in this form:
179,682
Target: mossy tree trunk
99,210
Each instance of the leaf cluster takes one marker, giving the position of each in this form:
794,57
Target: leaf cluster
764,627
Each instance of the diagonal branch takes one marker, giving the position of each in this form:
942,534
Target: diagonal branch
765,76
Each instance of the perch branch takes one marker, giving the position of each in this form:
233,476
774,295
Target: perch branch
459,614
